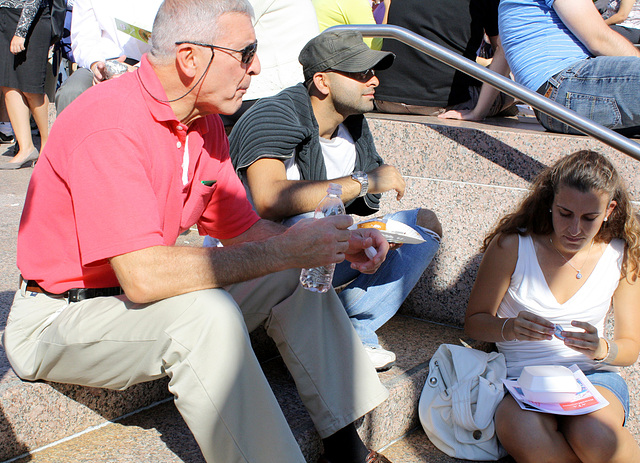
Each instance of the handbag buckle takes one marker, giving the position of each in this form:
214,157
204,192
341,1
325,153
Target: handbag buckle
433,380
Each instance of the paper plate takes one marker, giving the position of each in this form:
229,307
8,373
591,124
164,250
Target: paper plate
392,230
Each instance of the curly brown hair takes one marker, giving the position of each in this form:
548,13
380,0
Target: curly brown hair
585,171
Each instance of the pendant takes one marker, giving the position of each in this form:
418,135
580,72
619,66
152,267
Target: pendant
578,275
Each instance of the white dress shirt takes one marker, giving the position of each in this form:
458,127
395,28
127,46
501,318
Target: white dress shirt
94,36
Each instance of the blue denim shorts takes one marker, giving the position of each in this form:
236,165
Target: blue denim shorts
613,382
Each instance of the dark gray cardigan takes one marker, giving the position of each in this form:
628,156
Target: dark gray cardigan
277,126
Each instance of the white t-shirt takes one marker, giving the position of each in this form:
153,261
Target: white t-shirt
339,156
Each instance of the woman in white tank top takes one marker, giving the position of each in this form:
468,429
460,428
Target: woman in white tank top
566,256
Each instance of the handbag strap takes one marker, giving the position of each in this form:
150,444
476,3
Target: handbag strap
489,396
461,404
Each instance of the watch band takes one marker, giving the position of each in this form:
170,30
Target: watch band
363,179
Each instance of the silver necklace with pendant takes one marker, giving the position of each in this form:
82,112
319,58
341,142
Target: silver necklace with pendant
578,274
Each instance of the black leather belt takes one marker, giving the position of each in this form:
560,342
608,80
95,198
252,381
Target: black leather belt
74,294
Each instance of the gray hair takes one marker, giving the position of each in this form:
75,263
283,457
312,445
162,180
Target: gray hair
190,20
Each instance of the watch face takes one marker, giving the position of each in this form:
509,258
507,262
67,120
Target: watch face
359,176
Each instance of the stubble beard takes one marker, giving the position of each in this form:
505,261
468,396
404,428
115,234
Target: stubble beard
350,108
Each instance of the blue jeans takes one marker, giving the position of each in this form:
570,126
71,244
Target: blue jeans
603,89
615,383
371,300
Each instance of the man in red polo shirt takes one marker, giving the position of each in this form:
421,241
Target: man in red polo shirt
108,300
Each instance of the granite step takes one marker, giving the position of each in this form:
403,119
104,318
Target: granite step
415,447
469,173
159,434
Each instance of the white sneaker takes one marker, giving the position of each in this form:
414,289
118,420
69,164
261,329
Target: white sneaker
382,359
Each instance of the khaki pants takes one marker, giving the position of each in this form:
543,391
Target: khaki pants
200,340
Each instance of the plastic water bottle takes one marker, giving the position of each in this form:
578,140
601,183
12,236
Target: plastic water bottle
318,279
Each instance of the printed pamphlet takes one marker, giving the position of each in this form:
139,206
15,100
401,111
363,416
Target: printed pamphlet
587,400
134,31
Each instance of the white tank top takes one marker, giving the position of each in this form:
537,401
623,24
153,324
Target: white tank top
529,291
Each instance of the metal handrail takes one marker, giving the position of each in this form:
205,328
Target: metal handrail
503,84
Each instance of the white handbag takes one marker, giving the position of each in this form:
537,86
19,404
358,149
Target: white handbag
459,400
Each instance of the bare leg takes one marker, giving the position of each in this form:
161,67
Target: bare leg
599,436
39,106
19,115
531,437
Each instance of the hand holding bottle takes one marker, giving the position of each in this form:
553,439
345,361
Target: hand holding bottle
318,279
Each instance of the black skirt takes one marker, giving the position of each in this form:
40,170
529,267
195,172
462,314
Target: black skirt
27,70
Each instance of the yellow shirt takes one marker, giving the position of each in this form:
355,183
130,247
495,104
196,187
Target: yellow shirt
335,12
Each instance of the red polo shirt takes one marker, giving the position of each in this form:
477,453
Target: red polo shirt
109,182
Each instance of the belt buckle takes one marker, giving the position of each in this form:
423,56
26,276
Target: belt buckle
74,295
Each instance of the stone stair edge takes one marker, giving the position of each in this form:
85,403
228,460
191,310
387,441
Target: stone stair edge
507,124
481,153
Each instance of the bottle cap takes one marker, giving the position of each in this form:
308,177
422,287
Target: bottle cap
370,252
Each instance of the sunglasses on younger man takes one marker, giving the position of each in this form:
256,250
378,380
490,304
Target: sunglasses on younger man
362,76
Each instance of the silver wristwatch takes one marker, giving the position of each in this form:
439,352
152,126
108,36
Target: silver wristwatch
363,180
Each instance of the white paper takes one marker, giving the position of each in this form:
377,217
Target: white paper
392,230
586,401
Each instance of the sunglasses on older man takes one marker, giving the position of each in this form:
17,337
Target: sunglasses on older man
246,54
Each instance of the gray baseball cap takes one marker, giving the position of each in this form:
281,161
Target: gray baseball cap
342,51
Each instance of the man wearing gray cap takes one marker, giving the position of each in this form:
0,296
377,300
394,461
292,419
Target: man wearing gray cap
288,148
